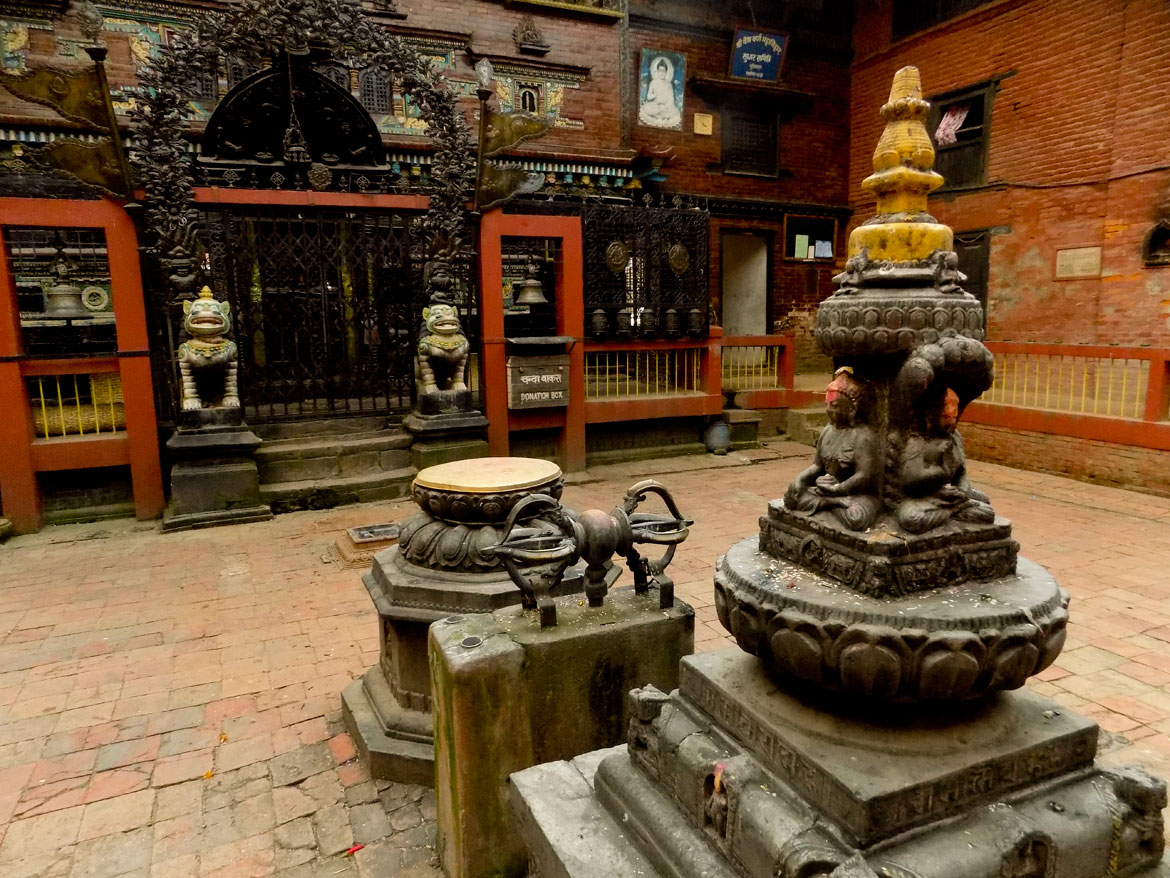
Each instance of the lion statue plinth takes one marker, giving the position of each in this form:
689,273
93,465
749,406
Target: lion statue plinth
207,360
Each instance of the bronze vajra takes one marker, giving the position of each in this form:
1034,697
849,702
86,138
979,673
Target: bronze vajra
536,557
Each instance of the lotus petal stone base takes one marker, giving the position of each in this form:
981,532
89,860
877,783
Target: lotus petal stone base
946,644
730,777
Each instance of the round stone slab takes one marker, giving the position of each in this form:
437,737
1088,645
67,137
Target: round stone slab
486,475
951,643
483,490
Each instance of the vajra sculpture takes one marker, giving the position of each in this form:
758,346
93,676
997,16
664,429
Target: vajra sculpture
207,360
536,558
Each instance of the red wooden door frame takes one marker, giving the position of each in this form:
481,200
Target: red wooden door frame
570,307
18,484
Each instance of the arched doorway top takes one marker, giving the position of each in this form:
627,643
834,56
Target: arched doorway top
276,29
252,122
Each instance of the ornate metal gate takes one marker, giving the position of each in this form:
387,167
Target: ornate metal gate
326,305
645,271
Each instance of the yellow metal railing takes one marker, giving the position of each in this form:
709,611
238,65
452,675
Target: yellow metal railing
752,367
641,373
1090,385
76,405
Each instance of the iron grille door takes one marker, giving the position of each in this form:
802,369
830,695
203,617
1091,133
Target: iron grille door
648,263
325,304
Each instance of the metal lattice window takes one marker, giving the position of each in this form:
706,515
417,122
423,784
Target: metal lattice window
237,71
206,88
375,92
645,271
46,261
749,143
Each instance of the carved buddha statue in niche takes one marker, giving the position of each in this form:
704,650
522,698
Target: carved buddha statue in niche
932,486
843,476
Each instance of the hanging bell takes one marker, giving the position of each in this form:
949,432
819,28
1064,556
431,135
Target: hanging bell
529,291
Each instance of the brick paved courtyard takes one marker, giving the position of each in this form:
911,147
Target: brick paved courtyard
169,704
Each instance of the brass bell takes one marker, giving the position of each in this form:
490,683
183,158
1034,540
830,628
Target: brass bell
529,291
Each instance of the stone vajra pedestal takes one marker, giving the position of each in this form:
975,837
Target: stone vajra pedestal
870,723
548,680
438,568
214,479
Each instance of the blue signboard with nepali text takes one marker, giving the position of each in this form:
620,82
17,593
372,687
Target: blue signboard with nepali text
757,55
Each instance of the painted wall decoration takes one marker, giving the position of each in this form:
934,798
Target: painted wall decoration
660,97
757,55
537,93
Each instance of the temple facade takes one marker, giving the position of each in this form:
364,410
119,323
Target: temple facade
635,207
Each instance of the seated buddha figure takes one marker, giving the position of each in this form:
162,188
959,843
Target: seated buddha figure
842,478
931,479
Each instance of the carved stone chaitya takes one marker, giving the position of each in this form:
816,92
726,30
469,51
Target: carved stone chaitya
867,725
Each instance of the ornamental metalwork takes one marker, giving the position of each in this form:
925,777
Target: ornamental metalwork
645,271
277,30
327,306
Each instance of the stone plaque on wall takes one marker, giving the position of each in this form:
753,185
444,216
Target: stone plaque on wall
1078,262
538,382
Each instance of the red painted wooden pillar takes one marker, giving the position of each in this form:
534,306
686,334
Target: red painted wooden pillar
570,308
19,496
134,362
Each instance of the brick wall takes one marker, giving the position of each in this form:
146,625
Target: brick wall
1121,466
813,144
574,40
1079,154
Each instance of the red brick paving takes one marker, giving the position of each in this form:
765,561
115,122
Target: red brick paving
146,680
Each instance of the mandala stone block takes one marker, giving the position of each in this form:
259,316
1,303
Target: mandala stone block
733,776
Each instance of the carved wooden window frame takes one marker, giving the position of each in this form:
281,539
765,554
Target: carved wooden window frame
975,133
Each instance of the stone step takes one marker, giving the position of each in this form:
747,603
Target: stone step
324,426
318,457
805,425
324,493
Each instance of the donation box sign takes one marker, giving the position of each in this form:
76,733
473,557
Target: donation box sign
538,382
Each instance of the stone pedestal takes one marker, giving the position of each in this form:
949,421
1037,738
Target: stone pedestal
437,569
213,479
509,694
445,429
731,776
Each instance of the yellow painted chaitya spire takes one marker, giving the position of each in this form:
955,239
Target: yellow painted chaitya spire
903,175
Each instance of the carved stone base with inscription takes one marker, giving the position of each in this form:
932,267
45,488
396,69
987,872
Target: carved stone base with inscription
731,776
883,560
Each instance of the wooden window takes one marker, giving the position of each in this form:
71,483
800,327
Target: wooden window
375,91
805,235
974,251
749,143
960,125
912,16
529,98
